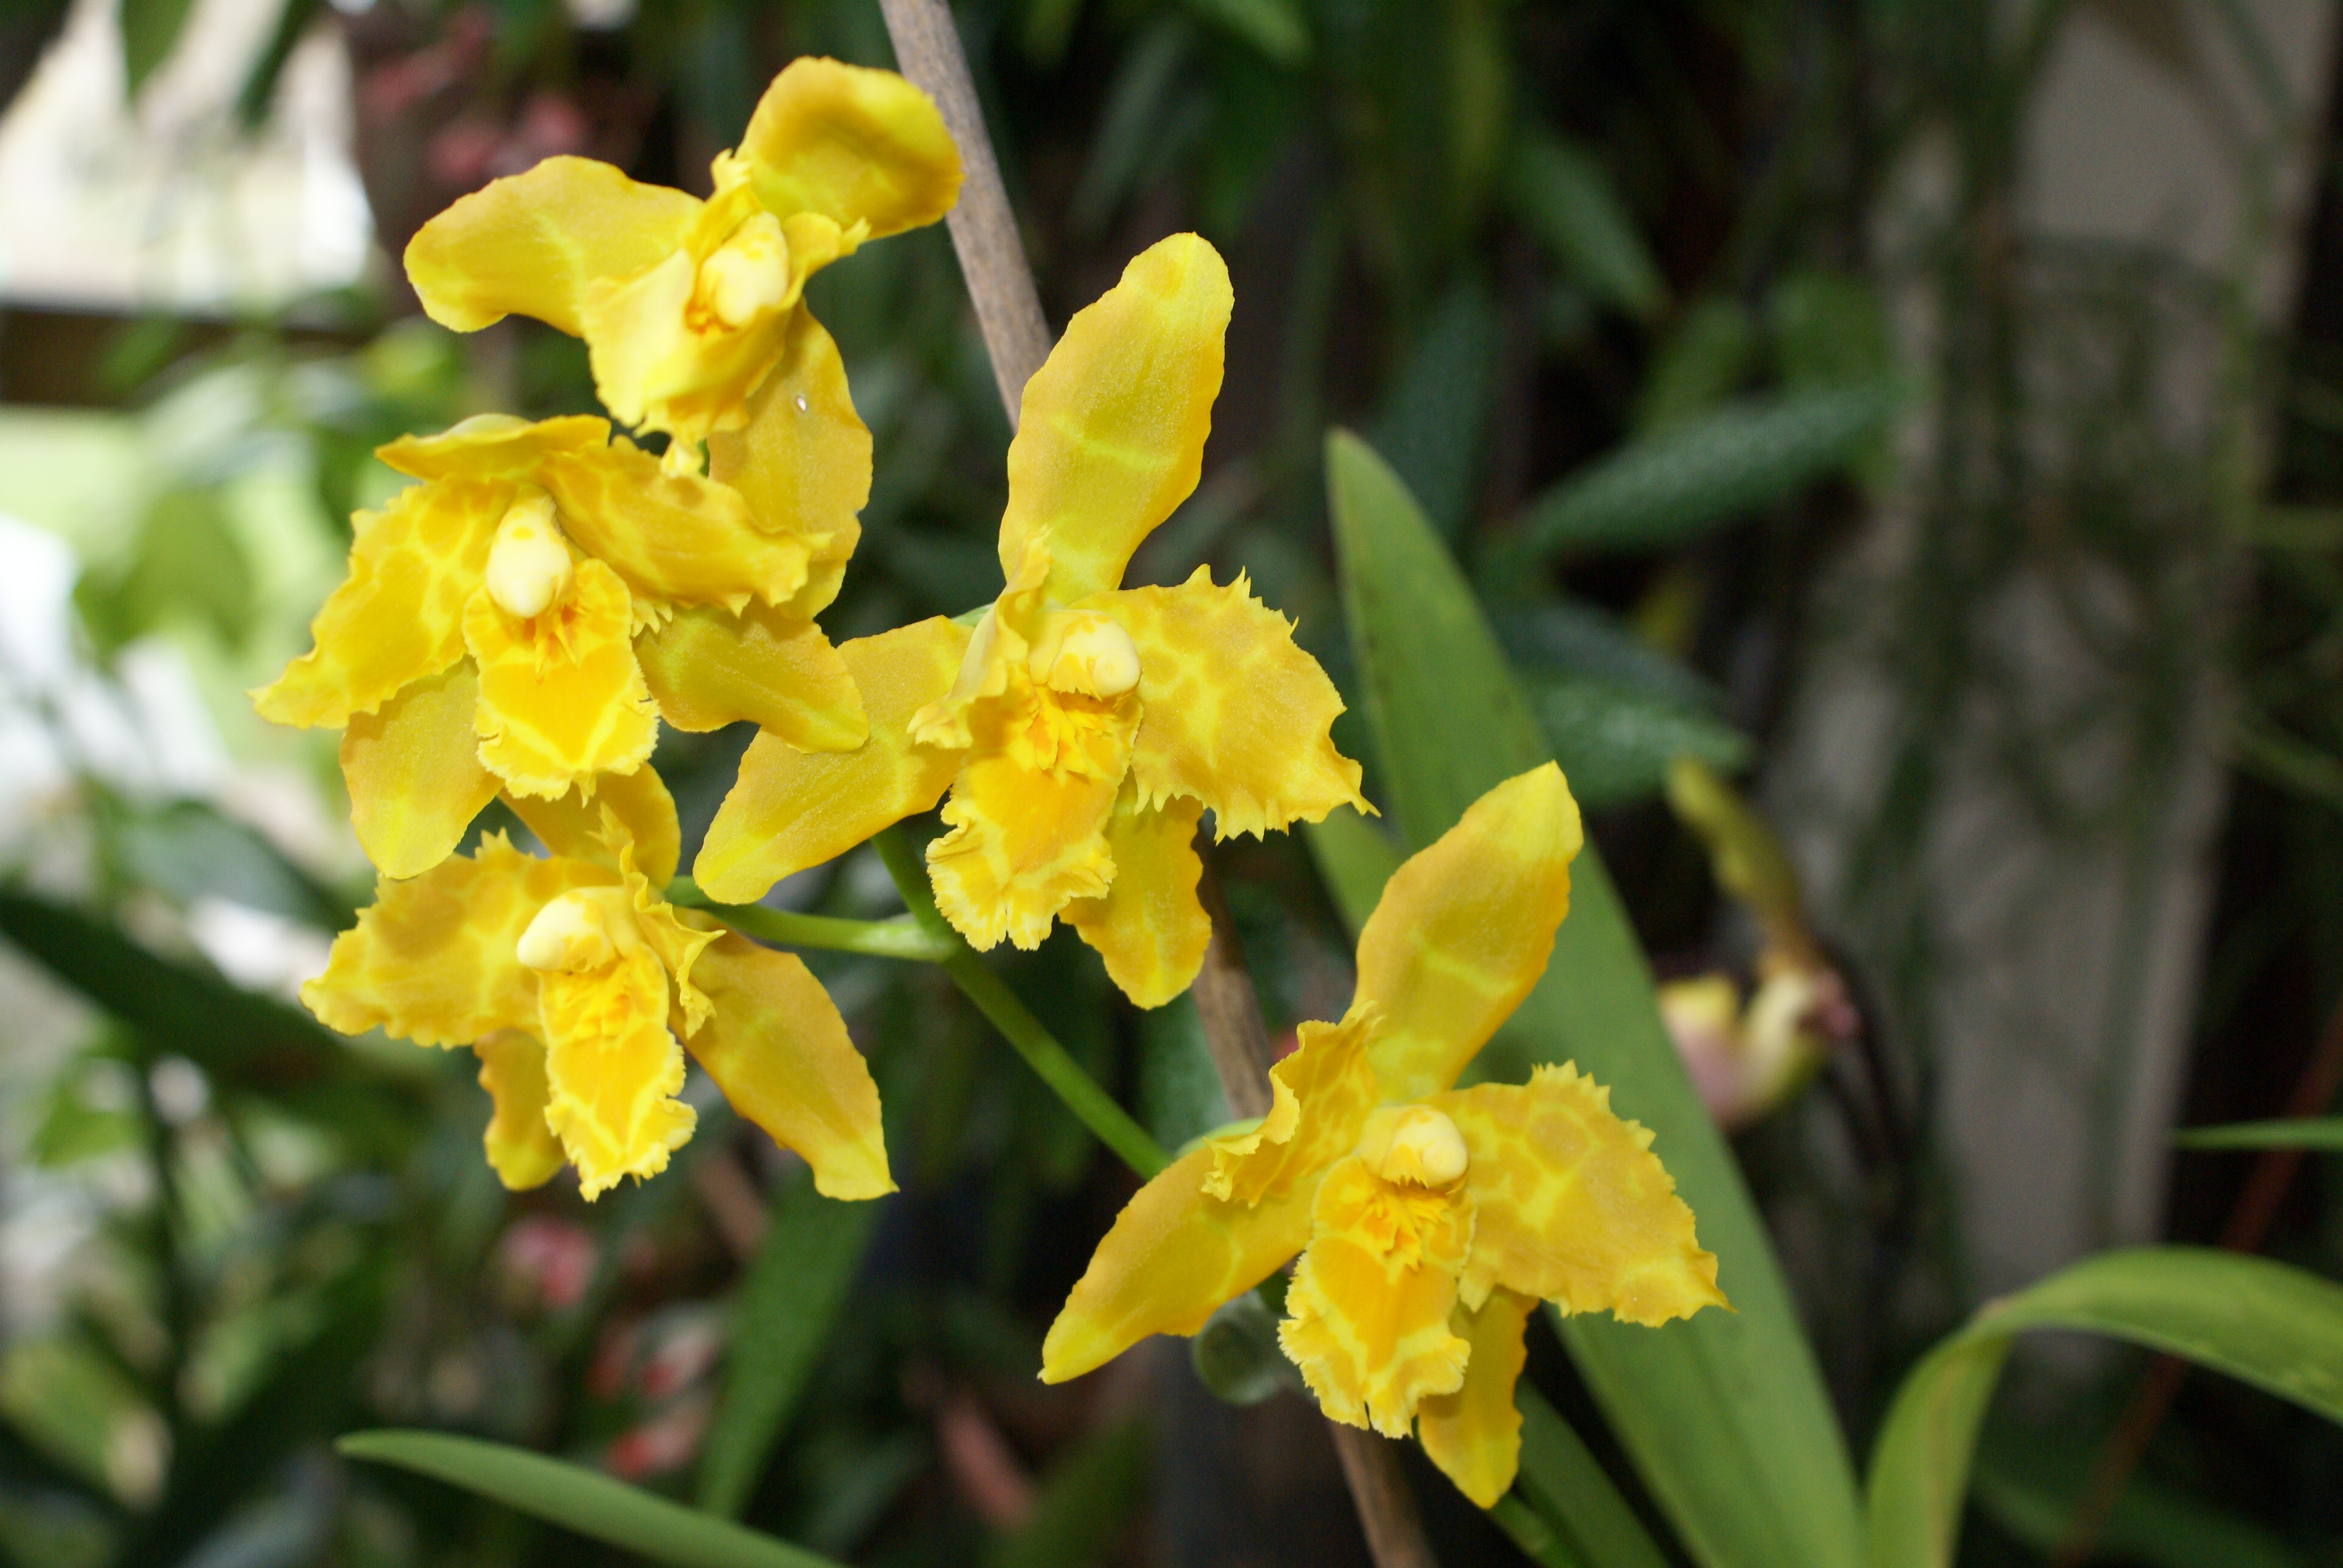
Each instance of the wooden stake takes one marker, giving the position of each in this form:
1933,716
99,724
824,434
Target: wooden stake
1009,313
983,229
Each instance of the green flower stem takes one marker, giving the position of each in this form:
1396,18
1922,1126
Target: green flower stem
1091,1105
903,937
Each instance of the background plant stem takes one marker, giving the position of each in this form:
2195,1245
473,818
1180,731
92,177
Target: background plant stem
1079,1092
902,937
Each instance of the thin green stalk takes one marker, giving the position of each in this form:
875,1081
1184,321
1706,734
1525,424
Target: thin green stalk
1091,1105
900,937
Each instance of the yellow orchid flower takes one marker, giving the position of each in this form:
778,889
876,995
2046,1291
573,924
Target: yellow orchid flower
1082,729
690,307
520,619
1429,1220
572,980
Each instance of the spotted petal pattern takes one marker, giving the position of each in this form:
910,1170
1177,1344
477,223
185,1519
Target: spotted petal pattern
1371,1299
432,960
561,698
1475,1435
1465,928
1573,1205
1236,715
400,615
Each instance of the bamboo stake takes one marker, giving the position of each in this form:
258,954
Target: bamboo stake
1009,313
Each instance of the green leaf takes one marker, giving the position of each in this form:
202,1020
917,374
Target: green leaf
2296,1132
149,29
1437,411
1564,195
188,850
2030,1483
1707,357
783,1316
1274,27
1570,637
1614,743
1356,857
1083,1501
2264,1323
259,91
1828,331
174,1006
1725,1416
1700,474
1568,1487
579,1501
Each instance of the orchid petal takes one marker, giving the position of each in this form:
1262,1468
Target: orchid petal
1176,1254
707,668
561,697
670,536
414,775
853,145
400,615
1022,844
489,446
433,958
1112,434
1369,1307
1572,1206
1320,1096
1235,713
1463,931
802,460
773,1042
612,1070
573,826
1475,1435
1148,928
521,1148
530,243
789,809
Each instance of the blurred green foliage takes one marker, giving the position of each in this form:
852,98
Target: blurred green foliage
1591,280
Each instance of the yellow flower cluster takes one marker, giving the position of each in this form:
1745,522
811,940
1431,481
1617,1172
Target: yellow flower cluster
517,622
1082,727
1429,1220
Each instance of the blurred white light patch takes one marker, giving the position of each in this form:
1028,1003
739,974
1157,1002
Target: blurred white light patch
168,203
144,731
257,949
600,16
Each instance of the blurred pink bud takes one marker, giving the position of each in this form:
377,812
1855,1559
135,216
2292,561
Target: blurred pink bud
663,1445
553,1258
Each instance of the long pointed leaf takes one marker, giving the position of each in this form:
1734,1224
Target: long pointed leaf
2264,1323
174,1006
1569,1488
782,1317
1699,473
2294,1133
579,1501
1725,1416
